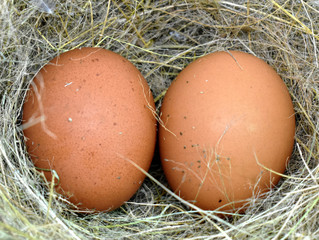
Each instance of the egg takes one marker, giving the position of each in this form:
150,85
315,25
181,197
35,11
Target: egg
89,116
227,130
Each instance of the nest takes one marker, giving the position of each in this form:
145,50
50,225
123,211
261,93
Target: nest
160,38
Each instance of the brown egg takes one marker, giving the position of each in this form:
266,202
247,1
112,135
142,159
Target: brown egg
229,129
88,111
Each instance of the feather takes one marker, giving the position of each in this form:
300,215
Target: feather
47,6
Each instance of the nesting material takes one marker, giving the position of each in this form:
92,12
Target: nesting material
160,38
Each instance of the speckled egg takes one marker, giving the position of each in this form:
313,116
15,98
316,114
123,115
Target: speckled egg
227,130
87,115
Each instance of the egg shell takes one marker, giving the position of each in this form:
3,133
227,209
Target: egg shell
227,129
87,112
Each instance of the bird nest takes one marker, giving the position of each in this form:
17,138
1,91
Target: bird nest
160,38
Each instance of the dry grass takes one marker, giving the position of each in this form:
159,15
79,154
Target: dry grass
160,38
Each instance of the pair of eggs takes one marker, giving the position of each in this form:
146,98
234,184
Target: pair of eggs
226,128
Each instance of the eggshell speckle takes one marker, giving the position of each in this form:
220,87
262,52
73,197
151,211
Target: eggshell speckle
87,112
229,120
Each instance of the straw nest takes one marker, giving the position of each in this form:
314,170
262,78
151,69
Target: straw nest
160,38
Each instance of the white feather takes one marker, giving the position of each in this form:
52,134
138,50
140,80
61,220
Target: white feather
47,6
